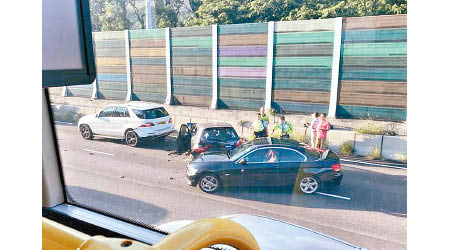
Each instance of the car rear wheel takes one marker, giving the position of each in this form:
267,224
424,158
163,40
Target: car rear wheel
131,138
308,184
86,132
209,183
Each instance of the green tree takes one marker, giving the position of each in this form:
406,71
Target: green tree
220,12
140,14
97,9
195,4
165,15
314,9
270,10
114,17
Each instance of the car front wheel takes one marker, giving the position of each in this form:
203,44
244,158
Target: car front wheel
209,183
86,132
131,138
308,184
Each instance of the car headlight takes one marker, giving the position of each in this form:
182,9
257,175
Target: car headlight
191,171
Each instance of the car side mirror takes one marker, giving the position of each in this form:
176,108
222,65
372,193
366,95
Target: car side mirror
242,161
96,115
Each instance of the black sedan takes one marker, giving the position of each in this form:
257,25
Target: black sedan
266,162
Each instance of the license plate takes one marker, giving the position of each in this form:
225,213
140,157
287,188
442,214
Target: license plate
161,122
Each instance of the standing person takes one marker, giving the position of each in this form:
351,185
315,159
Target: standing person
258,127
283,129
322,129
265,119
313,128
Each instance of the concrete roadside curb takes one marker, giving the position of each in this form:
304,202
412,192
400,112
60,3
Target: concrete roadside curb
373,163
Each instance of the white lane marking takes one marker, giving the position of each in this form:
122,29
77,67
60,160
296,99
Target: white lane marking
335,196
70,123
98,152
374,164
173,136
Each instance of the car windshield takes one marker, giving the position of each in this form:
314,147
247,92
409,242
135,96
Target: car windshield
219,134
239,151
151,113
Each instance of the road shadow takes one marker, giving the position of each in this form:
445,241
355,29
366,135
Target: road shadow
369,191
167,144
115,205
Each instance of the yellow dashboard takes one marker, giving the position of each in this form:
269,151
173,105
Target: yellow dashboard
199,234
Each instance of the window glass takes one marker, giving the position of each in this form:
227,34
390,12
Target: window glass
107,112
268,155
121,112
151,113
218,134
240,151
194,130
291,156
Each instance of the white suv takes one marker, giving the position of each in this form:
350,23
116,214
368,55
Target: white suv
133,122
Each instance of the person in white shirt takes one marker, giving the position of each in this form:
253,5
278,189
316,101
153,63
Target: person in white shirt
313,128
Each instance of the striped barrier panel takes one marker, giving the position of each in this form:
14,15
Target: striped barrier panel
191,66
110,61
303,57
242,50
148,65
373,68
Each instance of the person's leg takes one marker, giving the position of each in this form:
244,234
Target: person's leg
317,142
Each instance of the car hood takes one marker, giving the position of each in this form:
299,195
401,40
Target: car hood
211,157
274,234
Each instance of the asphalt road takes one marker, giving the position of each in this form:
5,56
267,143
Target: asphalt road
148,185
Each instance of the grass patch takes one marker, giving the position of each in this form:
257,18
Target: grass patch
401,157
347,148
301,137
375,154
374,129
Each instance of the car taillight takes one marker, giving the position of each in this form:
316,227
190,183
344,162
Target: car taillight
238,143
336,167
170,120
146,125
201,149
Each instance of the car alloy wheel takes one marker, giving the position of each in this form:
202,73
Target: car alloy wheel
209,183
86,132
309,184
131,138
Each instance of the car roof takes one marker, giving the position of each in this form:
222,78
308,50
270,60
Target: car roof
138,105
268,141
206,125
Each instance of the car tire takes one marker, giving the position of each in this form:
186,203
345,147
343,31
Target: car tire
308,184
86,132
131,138
209,183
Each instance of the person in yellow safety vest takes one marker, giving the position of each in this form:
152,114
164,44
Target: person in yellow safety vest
265,119
258,127
283,129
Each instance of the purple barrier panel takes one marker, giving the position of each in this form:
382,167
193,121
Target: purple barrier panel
242,51
242,71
